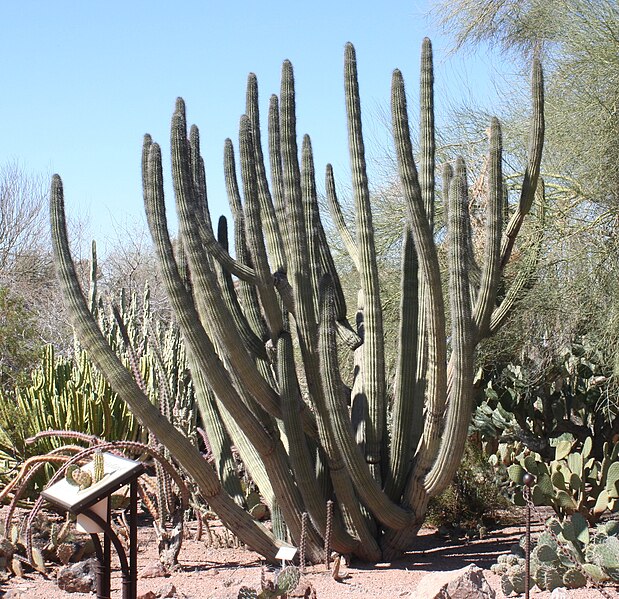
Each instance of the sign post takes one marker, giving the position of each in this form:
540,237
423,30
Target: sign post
92,505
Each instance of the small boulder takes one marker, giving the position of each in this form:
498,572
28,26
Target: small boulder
78,578
466,583
147,595
153,570
167,590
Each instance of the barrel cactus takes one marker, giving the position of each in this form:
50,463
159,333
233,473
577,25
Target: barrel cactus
268,331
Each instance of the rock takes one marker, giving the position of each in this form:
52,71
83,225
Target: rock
167,590
14,594
153,570
147,595
559,593
466,583
78,578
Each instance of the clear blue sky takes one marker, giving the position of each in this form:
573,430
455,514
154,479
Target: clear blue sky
83,80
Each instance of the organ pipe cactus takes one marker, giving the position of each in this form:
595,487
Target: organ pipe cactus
264,348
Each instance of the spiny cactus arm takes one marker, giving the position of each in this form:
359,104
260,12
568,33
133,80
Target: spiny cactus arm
247,292
300,458
271,225
374,385
122,382
365,484
447,175
526,272
236,267
299,273
407,410
210,305
252,342
198,342
436,373
338,217
254,231
491,273
311,217
277,175
218,438
462,360
426,130
531,175
92,289
198,175
323,259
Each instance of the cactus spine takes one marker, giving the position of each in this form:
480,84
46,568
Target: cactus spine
264,350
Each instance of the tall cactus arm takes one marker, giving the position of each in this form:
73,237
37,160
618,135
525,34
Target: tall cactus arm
300,458
210,305
338,218
311,216
254,230
247,292
198,175
217,435
426,130
429,268
277,175
123,383
462,360
252,342
299,273
198,342
407,411
271,224
526,271
494,224
373,345
367,487
531,175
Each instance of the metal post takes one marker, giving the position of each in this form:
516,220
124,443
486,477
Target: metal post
133,538
528,481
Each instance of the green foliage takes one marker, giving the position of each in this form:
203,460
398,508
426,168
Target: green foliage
19,344
473,500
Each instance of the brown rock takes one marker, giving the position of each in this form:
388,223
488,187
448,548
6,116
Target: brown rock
466,583
78,578
153,570
167,590
147,595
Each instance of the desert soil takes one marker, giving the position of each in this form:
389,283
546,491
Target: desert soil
208,572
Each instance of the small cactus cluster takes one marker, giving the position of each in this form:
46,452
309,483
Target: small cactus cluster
565,555
286,581
83,479
574,482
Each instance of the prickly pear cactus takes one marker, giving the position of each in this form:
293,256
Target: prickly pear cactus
287,580
574,579
247,593
78,477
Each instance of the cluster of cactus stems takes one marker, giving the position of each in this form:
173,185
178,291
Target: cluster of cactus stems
261,329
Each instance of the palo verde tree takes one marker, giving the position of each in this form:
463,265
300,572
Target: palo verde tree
265,349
